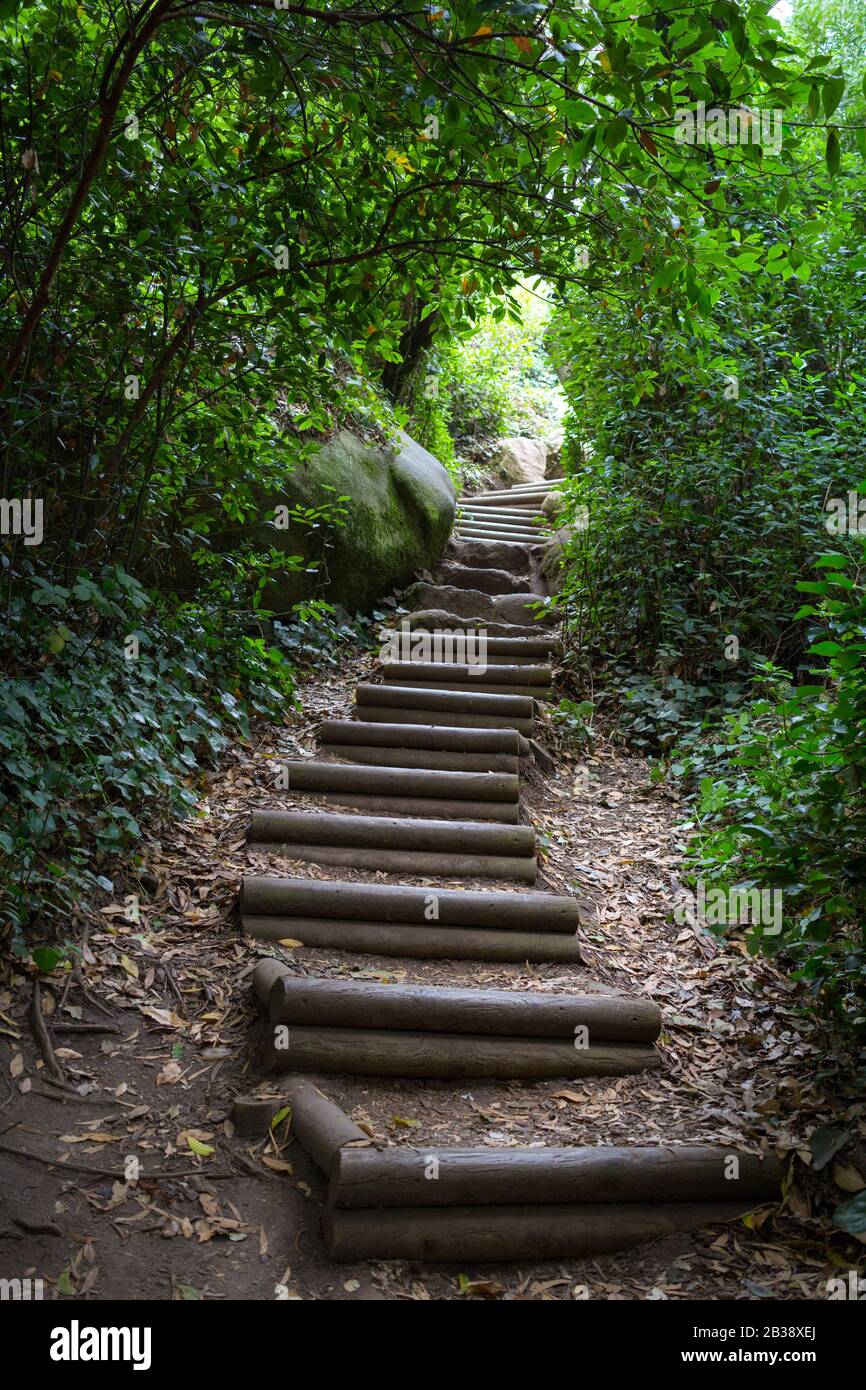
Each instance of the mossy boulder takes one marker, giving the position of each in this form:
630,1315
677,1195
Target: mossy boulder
399,514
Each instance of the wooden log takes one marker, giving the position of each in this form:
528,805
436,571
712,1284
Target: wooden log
320,1127
493,659
483,1176
274,896
434,758
525,517
416,672
498,516
503,812
460,1234
524,511
311,775
385,832
415,863
407,940
444,1009
370,1052
397,697
507,497
497,533
479,687
252,1115
265,976
515,492
488,517
485,517
533,485
349,731
529,520
451,718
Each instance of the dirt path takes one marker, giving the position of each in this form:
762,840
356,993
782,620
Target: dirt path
741,1067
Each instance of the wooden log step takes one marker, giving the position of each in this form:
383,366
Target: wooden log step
319,1125
475,531
529,520
502,499
311,775
487,517
407,939
462,1234
478,687
494,659
504,812
539,485
416,863
373,1052
478,530
523,502
414,736
397,697
451,718
442,1009
417,671
526,506
488,520
498,532
524,516
273,895
483,1176
383,832
433,758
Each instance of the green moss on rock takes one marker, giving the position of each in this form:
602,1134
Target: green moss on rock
399,514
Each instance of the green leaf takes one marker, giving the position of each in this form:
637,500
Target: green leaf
833,151
832,93
46,958
203,1150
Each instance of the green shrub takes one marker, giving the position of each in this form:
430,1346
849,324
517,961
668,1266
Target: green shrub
781,796
110,706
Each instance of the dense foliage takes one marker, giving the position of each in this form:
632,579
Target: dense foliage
715,444
469,392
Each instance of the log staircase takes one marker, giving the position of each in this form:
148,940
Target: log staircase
425,783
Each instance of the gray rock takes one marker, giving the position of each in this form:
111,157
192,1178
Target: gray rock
474,553
488,581
471,603
436,619
399,514
521,460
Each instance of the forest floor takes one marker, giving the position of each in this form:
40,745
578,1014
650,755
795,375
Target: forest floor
742,1065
